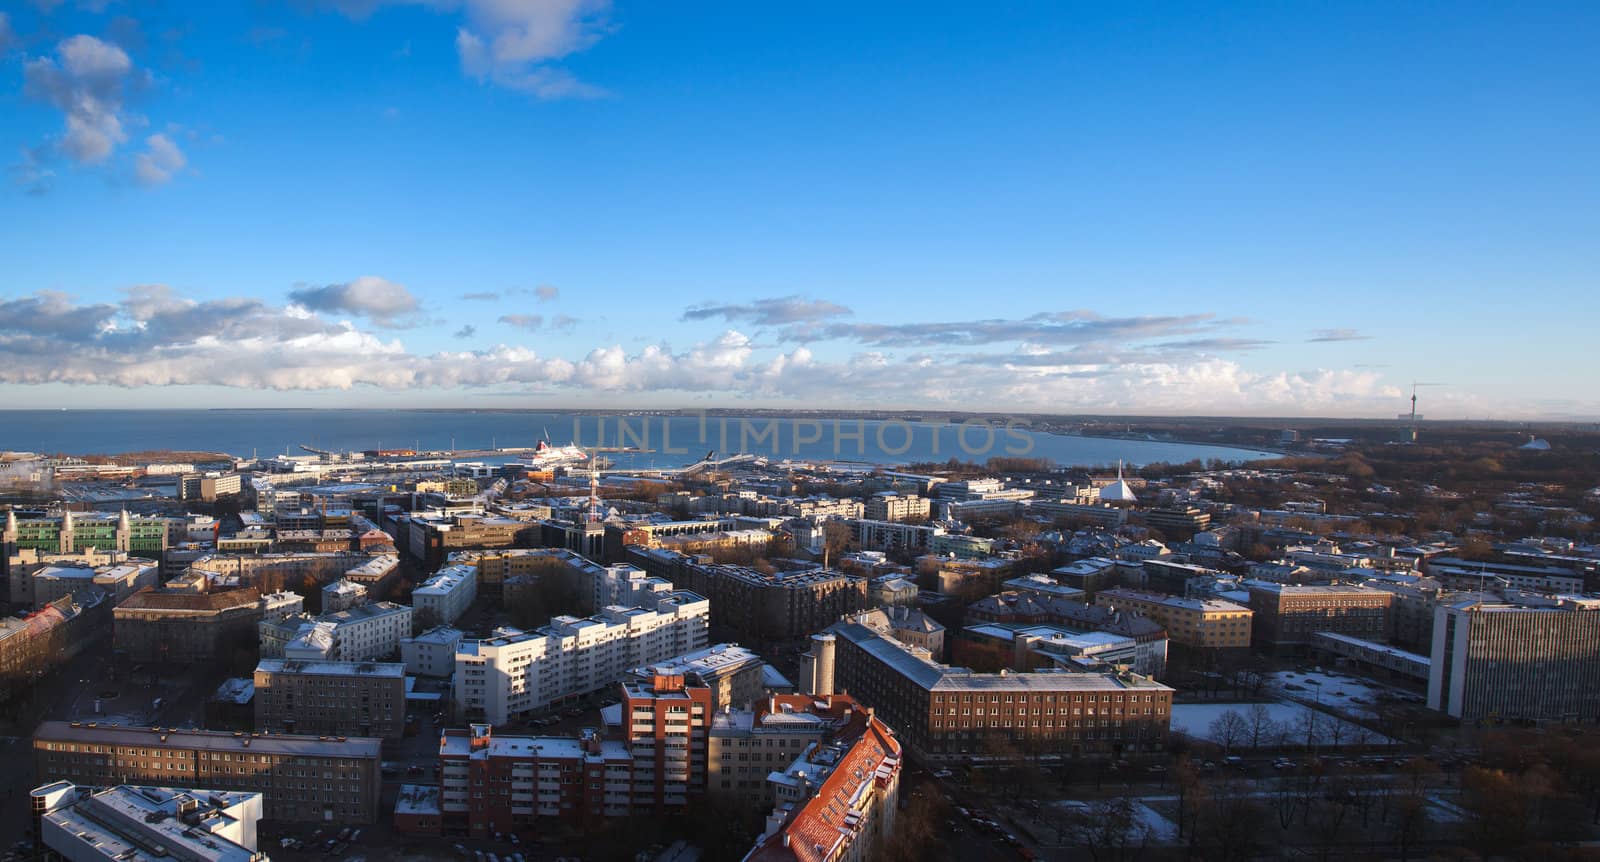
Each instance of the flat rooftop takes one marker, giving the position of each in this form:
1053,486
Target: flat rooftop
126,823
207,740
332,668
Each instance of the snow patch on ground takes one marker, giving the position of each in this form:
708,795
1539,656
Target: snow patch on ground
1343,694
1195,720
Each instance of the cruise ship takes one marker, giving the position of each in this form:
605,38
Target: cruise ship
546,456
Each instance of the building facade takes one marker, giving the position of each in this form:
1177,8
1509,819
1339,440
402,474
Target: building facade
1195,623
951,713
168,626
301,778
1287,615
517,672
331,698
448,594
368,632
1511,662
74,533
837,801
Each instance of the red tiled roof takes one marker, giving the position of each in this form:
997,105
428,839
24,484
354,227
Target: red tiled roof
818,827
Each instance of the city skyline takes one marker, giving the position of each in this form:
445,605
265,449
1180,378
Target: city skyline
575,203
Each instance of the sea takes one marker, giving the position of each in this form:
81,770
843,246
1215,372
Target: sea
629,440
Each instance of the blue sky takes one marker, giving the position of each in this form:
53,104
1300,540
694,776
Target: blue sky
1169,208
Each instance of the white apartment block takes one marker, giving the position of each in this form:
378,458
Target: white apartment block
516,672
279,606
624,586
432,653
362,633
447,594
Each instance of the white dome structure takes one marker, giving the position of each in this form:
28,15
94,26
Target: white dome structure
1536,444
1119,491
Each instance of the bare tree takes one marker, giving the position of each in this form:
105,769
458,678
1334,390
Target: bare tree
1308,725
1228,729
1261,724
1107,830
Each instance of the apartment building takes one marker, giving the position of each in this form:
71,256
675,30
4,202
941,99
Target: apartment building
517,672
174,627
745,745
1517,662
837,801
890,506
116,581
362,633
752,606
1194,623
301,778
736,676
330,698
34,645
666,721
272,572
343,594
496,566
1286,616
432,653
491,783
893,536
948,713
448,594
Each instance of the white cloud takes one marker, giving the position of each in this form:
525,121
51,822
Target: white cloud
86,80
152,336
515,43
523,321
383,302
160,161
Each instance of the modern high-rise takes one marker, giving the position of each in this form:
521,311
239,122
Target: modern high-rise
1517,662
516,672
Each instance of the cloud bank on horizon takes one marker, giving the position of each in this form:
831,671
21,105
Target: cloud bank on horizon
1052,361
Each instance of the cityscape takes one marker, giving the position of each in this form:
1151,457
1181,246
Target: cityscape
586,430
